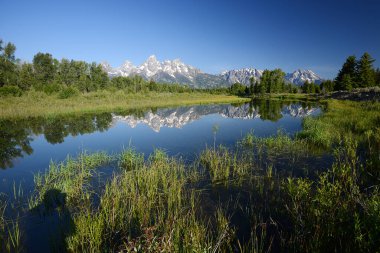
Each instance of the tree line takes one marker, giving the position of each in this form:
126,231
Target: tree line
69,77
271,81
353,74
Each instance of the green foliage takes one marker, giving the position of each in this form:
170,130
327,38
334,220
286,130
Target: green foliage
9,52
356,74
10,90
8,68
50,88
327,86
272,81
238,89
377,76
70,177
346,83
68,93
43,65
310,88
26,77
162,204
341,118
365,71
349,69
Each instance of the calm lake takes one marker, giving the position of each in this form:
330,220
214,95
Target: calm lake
29,145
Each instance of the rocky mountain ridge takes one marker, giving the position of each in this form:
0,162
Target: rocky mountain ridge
175,71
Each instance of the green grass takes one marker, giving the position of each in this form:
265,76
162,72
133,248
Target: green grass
34,103
342,118
71,178
161,204
151,205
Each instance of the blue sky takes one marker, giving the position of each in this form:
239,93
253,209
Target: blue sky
210,35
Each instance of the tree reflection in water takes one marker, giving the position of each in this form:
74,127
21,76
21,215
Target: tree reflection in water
16,135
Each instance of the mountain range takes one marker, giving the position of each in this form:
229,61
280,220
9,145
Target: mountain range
175,71
181,116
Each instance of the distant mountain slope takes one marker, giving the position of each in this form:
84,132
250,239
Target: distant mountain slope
175,71
243,76
167,71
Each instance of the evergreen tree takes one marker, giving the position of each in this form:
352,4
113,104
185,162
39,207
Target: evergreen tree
265,82
251,85
348,68
327,86
317,88
272,81
256,88
377,76
366,73
347,82
238,89
277,81
305,87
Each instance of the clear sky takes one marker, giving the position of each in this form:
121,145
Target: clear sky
210,35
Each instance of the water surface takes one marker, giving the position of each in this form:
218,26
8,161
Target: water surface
29,145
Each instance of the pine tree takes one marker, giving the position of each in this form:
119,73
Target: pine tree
348,68
347,82
377,74
366,73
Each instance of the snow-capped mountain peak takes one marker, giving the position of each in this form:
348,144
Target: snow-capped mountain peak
152,68
242,75
300,76
175,71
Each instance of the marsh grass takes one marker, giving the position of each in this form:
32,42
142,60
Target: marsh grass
224,164
145,207
71,177
339,119
10,232
161,204
152,205
3,206
33,103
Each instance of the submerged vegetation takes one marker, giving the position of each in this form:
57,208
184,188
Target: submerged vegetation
315,192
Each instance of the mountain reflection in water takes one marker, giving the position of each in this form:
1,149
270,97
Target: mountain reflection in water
16,135
182,116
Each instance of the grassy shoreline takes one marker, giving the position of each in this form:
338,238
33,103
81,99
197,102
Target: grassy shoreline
162,204
35,104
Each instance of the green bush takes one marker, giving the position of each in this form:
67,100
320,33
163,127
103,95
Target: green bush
48,88
51,88
10,91
68,92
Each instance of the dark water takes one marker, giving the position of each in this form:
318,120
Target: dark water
27,146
